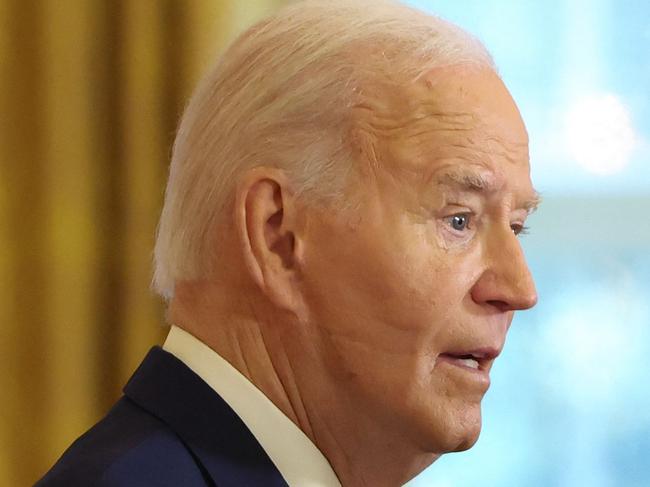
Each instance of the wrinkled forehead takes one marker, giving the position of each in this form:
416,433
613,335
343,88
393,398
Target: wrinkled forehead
458,119
464,112
472,96
475,92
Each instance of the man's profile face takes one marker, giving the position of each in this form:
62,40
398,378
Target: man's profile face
412,296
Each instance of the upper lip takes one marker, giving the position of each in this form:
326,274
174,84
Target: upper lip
483,355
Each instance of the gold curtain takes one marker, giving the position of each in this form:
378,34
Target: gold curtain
90,94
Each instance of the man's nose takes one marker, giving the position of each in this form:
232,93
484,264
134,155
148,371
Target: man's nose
506,283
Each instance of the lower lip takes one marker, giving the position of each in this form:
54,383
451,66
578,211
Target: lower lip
475,376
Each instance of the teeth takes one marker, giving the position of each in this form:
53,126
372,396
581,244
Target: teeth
469,362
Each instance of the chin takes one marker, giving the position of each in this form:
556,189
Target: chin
460,437
455,433
468,440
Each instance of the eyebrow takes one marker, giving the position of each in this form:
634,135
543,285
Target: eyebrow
483,183
469,181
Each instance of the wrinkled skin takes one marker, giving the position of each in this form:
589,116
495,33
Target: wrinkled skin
354,311
399,285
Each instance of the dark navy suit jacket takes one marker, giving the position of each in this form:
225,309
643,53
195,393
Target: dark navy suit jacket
169,429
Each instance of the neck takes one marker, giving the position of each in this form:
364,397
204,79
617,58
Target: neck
279,357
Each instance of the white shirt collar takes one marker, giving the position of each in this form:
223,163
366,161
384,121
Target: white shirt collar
293,453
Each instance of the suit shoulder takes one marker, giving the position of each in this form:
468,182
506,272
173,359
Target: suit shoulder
128,447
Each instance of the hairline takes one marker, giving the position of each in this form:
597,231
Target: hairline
180,245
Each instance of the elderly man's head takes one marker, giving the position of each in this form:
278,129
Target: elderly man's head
344,200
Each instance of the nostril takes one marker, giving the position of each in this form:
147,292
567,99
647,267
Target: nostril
498,304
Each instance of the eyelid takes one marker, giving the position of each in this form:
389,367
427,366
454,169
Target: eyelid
467,214
450,209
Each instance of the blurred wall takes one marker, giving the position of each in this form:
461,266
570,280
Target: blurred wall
90,94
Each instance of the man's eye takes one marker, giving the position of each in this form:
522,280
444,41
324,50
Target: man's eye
519,229
459,222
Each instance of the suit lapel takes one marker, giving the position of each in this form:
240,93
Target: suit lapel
168,389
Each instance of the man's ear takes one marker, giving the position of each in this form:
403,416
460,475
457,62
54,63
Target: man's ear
267,226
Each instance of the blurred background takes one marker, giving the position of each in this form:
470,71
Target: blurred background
90,94
570,398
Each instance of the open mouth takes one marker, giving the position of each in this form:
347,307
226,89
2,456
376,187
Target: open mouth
474,360
468,361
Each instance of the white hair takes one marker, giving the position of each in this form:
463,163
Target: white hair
281,96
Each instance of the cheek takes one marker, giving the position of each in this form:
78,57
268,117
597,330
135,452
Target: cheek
392,291
430,282
383,289
382,306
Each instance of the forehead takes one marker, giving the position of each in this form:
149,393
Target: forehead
457,115
476,92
